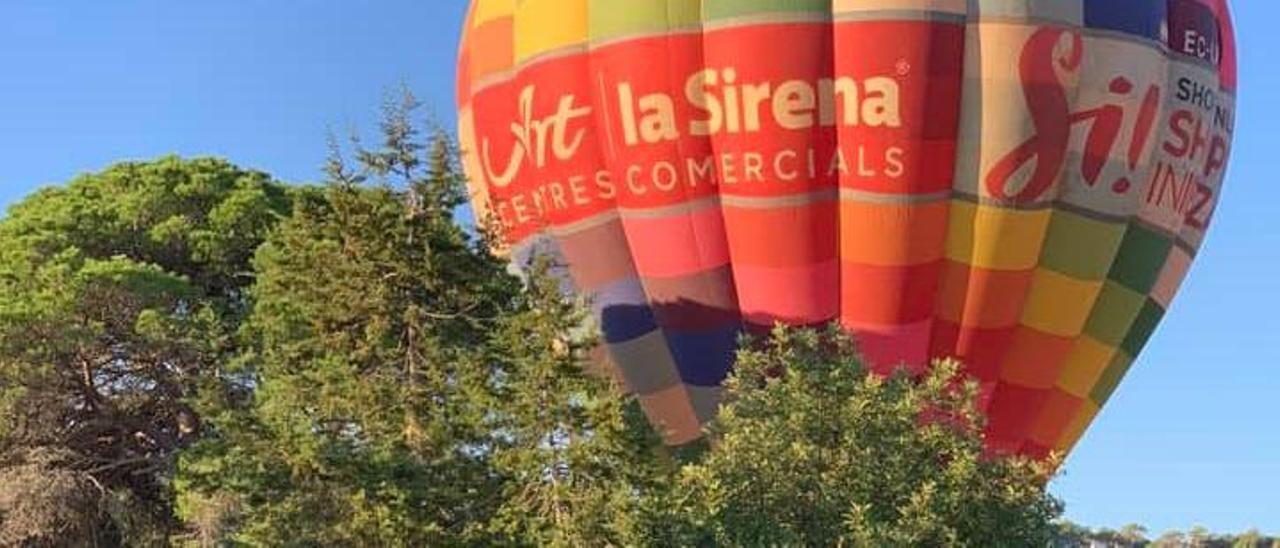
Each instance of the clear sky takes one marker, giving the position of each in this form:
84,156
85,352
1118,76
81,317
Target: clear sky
1191,437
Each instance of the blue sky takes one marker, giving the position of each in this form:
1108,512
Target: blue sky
1191,437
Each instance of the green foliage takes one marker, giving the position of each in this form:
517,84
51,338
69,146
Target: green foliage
1132,534
813,450
369,336
200,219
117,296
407,389
577,457
1071,535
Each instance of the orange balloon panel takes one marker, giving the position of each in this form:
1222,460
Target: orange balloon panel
1021,185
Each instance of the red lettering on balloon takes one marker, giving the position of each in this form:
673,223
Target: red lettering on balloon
1052,116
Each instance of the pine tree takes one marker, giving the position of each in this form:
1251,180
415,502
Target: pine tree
371,318
579,457
408,390
118,295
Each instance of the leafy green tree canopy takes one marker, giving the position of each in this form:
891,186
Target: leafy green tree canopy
368,342
118,295
813,450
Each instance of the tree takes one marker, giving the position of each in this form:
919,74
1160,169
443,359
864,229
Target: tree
1171,539
1072,535
117,296
811,449
1199,537
1249,539
369,347
579,457
407,389
1133,535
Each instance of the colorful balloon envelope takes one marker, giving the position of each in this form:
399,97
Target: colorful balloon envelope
1019,184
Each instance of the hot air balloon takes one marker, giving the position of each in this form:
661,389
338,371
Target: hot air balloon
1019,184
